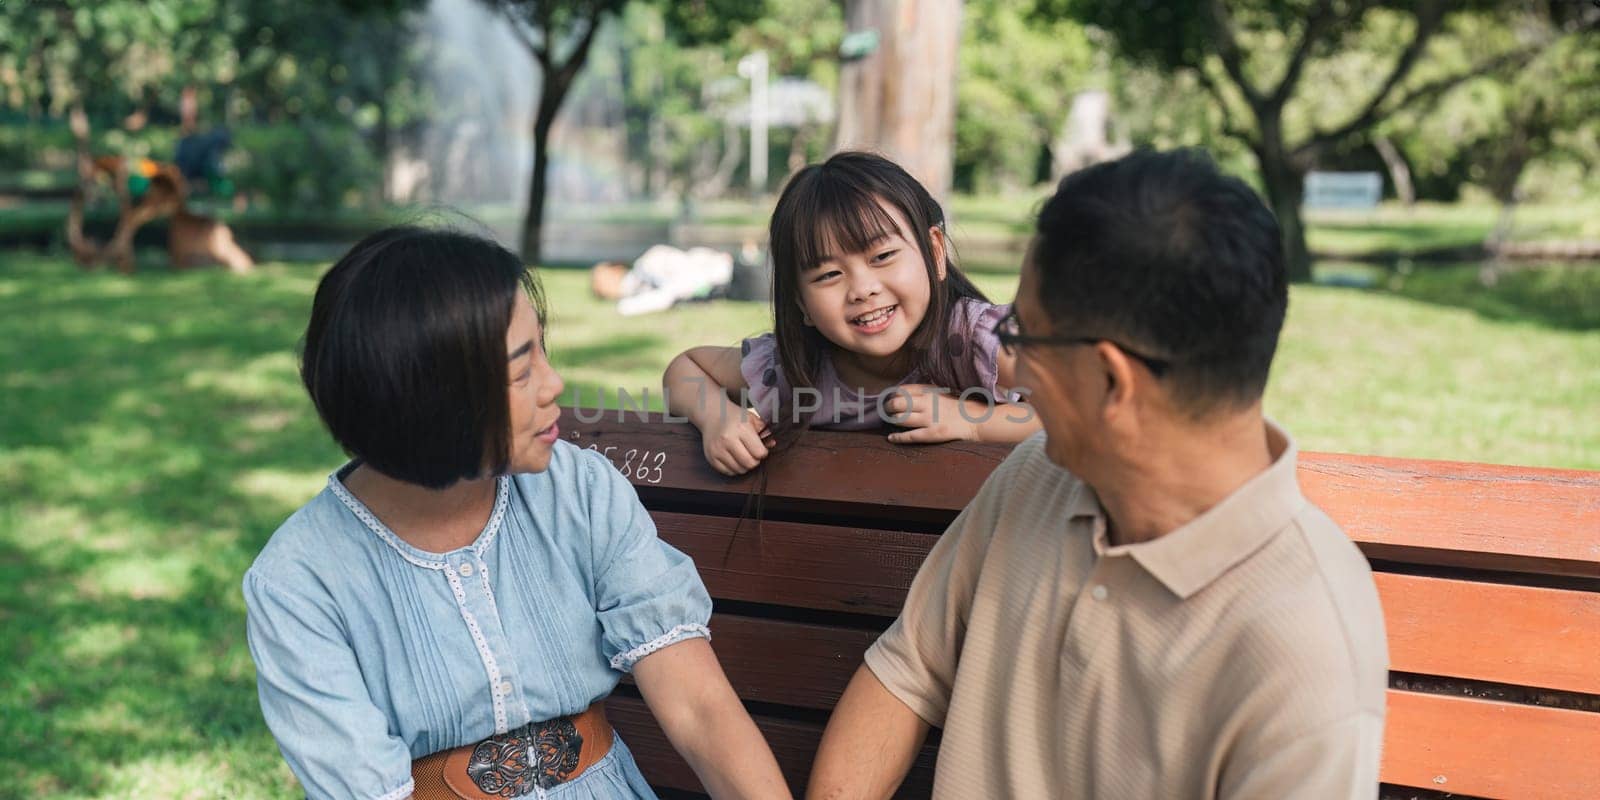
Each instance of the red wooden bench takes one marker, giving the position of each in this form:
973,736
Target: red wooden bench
1489,578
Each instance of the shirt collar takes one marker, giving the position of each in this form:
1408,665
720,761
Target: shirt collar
408,551
1084,503
1191,557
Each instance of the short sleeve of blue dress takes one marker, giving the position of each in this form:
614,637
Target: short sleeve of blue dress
647,593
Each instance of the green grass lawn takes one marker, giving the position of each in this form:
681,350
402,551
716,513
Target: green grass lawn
154,434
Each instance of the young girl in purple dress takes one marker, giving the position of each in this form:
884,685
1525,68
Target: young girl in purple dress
872,325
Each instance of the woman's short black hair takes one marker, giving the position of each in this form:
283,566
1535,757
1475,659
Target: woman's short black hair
1166,253
405,354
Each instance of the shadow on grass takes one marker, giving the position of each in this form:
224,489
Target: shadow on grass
1558,295
105,681
155,434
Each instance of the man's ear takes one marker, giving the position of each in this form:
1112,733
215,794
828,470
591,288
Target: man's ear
1120,380
936,237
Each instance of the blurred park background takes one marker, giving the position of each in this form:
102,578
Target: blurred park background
1435,166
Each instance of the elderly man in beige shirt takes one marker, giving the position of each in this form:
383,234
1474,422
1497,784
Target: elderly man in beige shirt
1139,602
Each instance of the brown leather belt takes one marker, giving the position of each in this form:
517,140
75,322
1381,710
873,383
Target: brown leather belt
542,754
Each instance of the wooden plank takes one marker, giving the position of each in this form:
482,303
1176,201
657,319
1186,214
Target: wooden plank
861,570
1490,749
1546,638
856,474
1543,638
1447,513
792,663
1440,513
793,743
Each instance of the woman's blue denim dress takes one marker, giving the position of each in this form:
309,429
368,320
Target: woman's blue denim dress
370,653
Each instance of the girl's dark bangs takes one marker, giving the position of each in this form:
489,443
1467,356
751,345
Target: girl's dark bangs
844,219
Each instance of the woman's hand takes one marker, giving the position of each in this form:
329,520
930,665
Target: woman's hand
737,442
932,415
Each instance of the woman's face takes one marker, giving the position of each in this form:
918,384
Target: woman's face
533,391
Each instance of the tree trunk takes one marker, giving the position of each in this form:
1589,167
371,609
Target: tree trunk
556,78
1285,184
899,99
717,183
1504,177
384,141
1285,200
797,147
552,91
635,129
390,48
533,222
1399,172
659,178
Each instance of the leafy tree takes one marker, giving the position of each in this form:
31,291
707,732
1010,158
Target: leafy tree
1252,56
309,81
1491,129
328,71
108,56
1016,82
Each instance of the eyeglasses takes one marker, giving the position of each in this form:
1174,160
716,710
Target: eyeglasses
1009,331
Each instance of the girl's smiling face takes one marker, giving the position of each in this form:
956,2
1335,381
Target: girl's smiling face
869,302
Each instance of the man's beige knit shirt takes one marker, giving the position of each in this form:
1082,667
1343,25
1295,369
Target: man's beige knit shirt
1242,655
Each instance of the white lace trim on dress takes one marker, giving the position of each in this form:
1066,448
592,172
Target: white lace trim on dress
623,662
402,792
502,491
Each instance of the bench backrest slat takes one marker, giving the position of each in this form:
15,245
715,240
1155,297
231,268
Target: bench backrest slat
764,655
860,570
1481,516
1485,748
1523,635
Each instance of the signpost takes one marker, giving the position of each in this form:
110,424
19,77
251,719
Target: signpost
754,67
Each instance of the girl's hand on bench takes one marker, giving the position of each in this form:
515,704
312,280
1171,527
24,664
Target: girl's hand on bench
932,416
735,442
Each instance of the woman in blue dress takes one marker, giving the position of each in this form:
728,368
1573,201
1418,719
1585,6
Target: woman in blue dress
447,616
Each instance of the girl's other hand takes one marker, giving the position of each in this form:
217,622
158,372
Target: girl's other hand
932,416
737,442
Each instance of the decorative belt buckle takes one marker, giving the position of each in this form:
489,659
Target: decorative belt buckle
539,753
